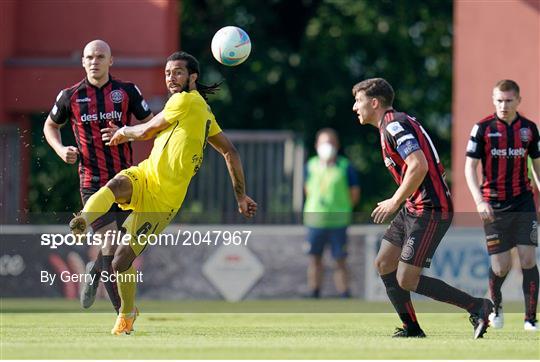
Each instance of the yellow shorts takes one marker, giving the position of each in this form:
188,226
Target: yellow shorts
150,215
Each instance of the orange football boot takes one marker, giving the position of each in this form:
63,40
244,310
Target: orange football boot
124,323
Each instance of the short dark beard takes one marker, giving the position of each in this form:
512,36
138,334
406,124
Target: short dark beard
184,89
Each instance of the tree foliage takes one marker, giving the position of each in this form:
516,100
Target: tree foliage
307,55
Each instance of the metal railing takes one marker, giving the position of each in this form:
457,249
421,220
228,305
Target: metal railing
273,164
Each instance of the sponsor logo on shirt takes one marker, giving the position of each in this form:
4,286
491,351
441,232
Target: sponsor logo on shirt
495,134
83,100
102,116
508,152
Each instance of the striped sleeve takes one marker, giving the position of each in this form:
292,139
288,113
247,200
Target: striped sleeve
137,104
61,109
475,146
534,145
402,137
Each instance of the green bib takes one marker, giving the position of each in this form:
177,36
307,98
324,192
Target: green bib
328,200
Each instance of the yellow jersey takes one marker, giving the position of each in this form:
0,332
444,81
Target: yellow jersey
178,150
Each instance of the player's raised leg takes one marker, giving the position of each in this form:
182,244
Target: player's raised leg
118,189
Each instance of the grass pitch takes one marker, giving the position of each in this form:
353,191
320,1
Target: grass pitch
40,329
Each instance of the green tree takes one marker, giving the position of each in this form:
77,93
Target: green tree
307,55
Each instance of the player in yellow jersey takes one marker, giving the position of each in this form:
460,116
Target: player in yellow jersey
155,189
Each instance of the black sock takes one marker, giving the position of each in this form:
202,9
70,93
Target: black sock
530,291
401,300
111,287
439,290
495,284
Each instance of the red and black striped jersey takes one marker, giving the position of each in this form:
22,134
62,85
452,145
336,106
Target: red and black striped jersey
402,135
503,149
89,109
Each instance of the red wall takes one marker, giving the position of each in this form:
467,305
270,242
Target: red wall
41,44
143,28
493,40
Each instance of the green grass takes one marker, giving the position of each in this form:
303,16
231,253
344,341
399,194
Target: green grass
39,330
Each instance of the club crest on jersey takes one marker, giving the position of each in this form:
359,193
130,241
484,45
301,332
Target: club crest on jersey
117,96
408,251
525,134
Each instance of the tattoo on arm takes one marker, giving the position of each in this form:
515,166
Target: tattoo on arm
236,173
238,184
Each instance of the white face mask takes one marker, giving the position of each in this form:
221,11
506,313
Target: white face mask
326,151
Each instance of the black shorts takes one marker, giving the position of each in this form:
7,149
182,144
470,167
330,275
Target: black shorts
115,213
515,224
417,236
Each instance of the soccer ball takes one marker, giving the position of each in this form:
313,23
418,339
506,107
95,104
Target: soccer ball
231,46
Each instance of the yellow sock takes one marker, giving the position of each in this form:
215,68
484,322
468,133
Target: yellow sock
127,286
98,204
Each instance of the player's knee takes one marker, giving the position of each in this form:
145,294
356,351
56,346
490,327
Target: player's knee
407,282
383,266
121,262
500,270
119,265
120,186
527,262
527,257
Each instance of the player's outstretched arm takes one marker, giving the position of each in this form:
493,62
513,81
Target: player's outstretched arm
108,133
51,130
140,132
246,206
